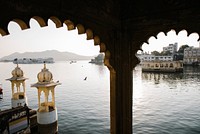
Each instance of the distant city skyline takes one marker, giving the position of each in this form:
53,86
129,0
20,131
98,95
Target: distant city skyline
38,39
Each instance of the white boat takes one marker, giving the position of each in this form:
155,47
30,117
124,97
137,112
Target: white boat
162,66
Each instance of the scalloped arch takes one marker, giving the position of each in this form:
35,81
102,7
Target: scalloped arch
40,21
96,40
81,29
102,47
106,60
70,26
56,21
21,23
2,32
167,31
89,34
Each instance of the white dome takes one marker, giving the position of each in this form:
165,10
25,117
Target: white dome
17,72
45,75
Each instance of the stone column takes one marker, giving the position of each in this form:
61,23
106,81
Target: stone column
39,94
121,83
13,85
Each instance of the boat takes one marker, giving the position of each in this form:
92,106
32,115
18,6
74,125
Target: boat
73,61
162,66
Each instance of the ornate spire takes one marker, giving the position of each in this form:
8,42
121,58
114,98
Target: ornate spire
17,72
45,76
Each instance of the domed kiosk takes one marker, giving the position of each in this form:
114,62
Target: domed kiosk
18,96
47,112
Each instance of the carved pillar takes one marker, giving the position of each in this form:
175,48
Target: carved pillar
121,84
53,97
39,94
24,88
13,90
46,99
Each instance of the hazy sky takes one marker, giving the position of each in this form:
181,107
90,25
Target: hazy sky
46,38
52,38
182,39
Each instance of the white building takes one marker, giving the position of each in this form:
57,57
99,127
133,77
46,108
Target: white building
33,60
150,57
172,48
191,55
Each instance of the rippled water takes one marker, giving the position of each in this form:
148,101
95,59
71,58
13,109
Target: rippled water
83,105
162,103
166,103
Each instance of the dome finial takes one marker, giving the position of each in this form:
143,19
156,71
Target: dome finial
45,76
17,72
44,65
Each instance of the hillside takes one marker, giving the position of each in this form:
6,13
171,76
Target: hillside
58,56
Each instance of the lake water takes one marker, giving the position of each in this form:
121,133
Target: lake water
166,103
162,103
83,105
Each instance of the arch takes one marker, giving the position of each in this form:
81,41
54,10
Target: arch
57,22
89,34
80,28
40,21
103,47
70,24
106,60
96,40
165,33
21,23
2,32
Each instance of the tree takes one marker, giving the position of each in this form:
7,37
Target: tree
164,53
181,49
156,53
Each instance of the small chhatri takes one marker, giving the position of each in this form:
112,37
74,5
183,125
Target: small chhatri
18,96
47,112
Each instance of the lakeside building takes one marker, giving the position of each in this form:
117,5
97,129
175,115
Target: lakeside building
33,61
151,57
162,66
98,60
172,48
191,56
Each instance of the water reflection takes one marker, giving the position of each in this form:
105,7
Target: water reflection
159,77
166,103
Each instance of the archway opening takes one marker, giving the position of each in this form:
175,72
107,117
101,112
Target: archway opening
165,102
83,98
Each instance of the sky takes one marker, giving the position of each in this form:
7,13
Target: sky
51,38
182,38
45,38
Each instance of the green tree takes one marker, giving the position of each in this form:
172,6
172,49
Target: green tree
156,53
181,49
165,53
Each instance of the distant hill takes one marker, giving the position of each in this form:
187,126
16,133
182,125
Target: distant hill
58,56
